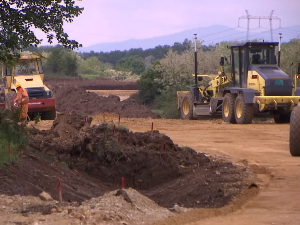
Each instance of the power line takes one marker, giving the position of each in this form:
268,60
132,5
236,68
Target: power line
228,35
249,17
218,32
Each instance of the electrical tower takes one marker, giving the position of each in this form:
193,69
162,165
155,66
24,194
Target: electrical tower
270,18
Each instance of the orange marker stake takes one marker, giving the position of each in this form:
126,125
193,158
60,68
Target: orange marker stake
122,182
9,151
59,191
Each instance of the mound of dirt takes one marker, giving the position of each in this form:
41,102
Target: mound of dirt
76,99
150,162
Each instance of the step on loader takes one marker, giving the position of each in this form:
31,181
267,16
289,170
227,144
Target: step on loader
256,86
28,71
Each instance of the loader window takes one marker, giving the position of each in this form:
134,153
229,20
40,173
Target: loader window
236,65
262,56
25,68
40,66
8,71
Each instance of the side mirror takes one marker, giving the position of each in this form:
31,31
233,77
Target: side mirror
222,61
200,78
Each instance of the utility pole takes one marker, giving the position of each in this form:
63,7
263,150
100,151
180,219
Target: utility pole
196,95
270,18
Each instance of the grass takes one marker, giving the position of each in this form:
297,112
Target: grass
4,153
56,75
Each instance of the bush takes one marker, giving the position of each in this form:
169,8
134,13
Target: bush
11,133
166,104
148,86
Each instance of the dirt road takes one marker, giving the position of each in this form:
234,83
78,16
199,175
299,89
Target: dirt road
264,147
123,94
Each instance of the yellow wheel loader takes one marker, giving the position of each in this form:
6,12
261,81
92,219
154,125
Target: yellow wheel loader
256,86
29,73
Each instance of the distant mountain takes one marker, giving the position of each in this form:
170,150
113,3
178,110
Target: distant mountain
210,35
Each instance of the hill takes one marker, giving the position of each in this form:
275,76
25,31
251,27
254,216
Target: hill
210,35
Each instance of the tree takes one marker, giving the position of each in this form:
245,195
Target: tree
53,62
18,18
148,85
69,64
92,66
133,64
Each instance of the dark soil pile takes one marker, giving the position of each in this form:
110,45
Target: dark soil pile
149,162
76,99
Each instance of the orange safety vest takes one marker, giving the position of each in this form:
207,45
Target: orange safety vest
22,96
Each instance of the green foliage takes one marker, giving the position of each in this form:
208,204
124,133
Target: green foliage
4,153
19,18
11,133
69,65
53,61
93,66
61,61
149,87
290,53
133,64
166,103
37,119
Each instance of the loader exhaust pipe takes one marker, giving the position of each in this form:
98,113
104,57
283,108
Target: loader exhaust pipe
279,54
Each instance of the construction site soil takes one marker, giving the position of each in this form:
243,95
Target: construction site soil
91,160
76,99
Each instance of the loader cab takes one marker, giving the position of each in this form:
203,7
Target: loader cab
246,55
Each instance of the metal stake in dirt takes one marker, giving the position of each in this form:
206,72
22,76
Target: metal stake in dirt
114,128
152,127
59,191
119,120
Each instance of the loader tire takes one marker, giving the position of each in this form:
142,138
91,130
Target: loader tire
243,112
282,118
49,115
295,132
187,108
9,100
228,108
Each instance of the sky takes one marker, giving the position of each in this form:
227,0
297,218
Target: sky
105,21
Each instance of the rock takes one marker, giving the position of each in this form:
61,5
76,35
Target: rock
53,210
45,196
124,195
8,201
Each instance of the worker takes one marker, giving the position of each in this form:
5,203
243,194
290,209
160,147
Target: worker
22,102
